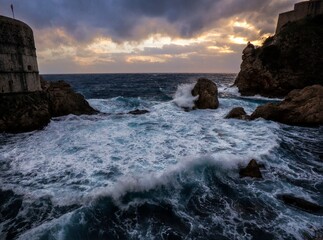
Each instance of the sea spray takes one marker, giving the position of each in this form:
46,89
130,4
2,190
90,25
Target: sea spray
183,96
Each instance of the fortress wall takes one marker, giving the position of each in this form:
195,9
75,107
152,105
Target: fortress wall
301,11
18,60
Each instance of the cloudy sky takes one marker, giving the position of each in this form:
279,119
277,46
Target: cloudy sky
127,36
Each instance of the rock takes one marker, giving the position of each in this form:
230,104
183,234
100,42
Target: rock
63,100
301,107
252,170
238,113
138,112
301,204
207,92
23,112
292,59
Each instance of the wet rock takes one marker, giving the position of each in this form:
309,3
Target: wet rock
24,112
63,100
252,170
238,113
301,107
301,204
289,60
207,92
138,112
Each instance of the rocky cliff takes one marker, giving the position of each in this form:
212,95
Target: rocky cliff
292,59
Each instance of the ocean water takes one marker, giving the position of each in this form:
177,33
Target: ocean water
168,174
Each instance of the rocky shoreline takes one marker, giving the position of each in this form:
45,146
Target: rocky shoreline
25,112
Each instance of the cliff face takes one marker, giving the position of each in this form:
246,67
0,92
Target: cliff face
292,59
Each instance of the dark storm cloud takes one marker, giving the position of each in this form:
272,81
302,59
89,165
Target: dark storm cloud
131,19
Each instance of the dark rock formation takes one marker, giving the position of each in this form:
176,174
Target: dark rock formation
252,170
238,113
63,100
207,92
24,112
138,112
292,59
301,107
301,204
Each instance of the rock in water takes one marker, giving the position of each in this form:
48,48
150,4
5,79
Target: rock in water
292,59
301,107
63,100
238,113
301,204
24,112
252,170
138,112
207,92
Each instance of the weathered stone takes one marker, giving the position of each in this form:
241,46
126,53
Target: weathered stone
23,112
138,112
301,204
63,100
301,107
292,59
238,113
18,61
252,170
207,92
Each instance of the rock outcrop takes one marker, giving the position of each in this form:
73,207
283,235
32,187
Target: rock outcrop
292,59
238,113
24,112
207,92
251,170
301,107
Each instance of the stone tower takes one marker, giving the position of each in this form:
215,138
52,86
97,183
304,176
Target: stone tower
301,11
18,61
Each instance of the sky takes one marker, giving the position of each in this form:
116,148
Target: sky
153,36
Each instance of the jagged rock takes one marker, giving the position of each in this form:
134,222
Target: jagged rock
24,112
301,204
238,113
207,92
301,107
252,170
292,59
138,112
63,100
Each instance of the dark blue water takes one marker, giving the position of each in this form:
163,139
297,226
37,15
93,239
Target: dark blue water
169,174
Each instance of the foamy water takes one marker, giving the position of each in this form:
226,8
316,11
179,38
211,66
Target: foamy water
81,169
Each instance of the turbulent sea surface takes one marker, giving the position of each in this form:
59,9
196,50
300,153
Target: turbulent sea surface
168,174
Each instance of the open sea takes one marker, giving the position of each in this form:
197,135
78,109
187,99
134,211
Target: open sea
168,174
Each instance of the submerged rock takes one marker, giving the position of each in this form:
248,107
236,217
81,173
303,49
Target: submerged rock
207,93
301,204
24,112
238,113
138,112
292,59
301,107
252,170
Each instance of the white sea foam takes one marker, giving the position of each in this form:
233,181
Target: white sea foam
183,96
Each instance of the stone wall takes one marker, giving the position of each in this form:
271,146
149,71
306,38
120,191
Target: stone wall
301,10
18,60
